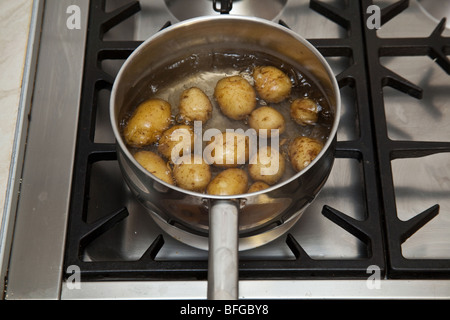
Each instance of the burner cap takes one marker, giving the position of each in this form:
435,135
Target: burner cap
436,9
266,9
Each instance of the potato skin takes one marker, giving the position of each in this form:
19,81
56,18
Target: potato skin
267,118
235,96
193,175
195,105
265,160
272,84
304,111
229,150
229,182
147,123
154,164
302,151
180,137
258,186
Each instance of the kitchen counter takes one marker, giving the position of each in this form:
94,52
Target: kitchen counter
15,22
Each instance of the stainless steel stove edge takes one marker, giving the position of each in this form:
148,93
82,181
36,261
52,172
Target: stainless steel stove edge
35,267
264,289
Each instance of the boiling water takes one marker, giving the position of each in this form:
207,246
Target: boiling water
205,70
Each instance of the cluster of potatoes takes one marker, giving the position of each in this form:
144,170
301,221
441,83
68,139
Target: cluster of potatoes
151,124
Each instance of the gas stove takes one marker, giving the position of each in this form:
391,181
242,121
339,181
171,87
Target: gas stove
380,227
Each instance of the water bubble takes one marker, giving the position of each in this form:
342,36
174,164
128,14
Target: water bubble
153,88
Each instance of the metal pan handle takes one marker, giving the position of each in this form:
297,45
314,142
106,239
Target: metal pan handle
223,280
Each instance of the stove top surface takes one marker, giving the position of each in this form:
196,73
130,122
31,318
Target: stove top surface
385,209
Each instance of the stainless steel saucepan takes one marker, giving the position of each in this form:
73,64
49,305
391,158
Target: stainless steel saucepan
228,223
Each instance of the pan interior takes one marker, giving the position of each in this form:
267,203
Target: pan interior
203,69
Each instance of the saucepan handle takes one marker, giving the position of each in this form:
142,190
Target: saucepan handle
223,259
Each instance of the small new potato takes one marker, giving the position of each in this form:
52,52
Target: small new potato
267,119
228,150
147,123
304,111
267,165
195,105
258,186
154,164
272,84
302,151
193,173
176,141
235,96
229,182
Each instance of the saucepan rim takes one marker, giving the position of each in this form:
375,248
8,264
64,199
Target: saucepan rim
186,23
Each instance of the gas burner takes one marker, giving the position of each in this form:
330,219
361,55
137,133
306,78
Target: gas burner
436,10
266,9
